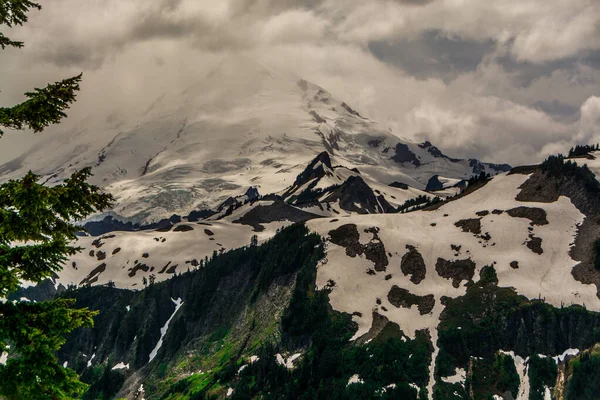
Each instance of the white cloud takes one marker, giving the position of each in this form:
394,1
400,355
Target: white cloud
131,52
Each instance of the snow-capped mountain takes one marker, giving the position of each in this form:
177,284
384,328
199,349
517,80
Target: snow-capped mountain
241,126
499,281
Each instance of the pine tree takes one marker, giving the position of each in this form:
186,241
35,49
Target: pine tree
37,228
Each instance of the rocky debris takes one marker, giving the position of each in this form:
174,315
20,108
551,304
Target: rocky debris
482,213
209,232
403,298
514,265
145,255
458,270
497,212
535,244
347,236
100,255
98,243
183,228
413,264
94,275
92,253
472,225
537,216
115,251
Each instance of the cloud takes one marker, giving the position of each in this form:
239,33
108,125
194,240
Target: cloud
506,81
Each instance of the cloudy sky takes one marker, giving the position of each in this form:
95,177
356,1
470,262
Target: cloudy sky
504,81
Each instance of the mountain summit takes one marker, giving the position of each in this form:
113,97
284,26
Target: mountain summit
243,125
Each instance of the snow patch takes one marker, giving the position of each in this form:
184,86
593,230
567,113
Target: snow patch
568,352
458,377
354,379
89,363
120,365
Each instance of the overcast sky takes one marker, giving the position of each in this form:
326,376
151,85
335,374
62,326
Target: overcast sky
504,81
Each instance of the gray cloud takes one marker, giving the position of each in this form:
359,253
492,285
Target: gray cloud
480,79
433,54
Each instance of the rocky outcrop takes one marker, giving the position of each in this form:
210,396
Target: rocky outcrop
348,237
536,215
399,297
277,211
458,270
403,155
413,264
472,225
355,195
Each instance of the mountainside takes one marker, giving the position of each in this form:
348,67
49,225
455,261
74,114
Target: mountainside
241,126
491,294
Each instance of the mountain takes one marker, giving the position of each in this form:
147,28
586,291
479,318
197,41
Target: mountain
492,293
242,125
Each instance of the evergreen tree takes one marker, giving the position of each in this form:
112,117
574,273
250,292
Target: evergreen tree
36,231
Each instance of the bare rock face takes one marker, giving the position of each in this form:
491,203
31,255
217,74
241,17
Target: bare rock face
355,195
458,271
413,264
404,155
403,298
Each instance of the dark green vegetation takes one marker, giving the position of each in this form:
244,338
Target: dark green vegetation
582,150
40,219
497,375
559,167
585,379
482,177
490,318
542,373
418,203
230,313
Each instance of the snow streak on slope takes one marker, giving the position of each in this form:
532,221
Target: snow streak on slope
163,331
455,242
